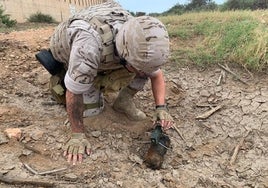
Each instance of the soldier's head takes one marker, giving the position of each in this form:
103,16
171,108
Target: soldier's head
143,43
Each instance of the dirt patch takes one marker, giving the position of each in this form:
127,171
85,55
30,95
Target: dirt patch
202,159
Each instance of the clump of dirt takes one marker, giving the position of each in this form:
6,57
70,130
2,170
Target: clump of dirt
224,148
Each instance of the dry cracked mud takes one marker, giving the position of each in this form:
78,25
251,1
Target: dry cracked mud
202,157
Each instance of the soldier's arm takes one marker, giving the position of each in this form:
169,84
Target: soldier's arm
75,108
158,87
78,143
159,92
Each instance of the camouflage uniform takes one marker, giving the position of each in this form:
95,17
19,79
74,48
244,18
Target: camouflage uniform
86,46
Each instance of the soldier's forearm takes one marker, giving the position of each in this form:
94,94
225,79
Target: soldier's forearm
158,88
75,108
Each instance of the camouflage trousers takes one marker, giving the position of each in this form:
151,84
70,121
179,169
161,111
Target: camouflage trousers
93,99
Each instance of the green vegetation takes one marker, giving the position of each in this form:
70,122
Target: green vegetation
239,37
210,5
244,5
41,18
5,19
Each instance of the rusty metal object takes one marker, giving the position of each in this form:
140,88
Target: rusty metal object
160,143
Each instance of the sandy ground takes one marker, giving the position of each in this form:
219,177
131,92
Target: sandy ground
204,157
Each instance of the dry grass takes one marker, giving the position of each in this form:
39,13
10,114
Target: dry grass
239,37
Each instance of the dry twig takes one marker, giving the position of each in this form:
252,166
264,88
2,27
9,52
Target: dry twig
17,181
177,85
42,173
205,105
231,72
179,132
219,80
209,113
237,148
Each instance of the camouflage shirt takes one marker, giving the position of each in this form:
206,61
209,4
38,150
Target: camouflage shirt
84,48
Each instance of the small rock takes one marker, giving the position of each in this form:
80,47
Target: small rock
50,140
101,181
175,174
71,177
115,169
58,145
218,89
26,139
204,93
135,159
13,133
26,152
96,134
3,139
94,157
119,183
37,135
168,177
119,136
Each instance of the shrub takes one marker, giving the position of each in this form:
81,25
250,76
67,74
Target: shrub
5,19
41,18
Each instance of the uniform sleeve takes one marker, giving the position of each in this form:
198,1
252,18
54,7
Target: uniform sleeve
84,58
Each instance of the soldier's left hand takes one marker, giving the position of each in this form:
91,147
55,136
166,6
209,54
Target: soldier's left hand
162,115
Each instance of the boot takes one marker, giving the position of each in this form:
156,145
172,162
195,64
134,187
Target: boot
124,104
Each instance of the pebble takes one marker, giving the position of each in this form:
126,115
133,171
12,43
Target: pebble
26,152
94,157
13,133
204,93
71,177
135,159
115,169
96,134
119,183
37,135
119,136
3,139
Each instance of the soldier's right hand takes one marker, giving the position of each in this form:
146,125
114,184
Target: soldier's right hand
76,147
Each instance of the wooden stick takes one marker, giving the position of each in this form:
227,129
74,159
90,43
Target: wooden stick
177,85
209,113
42,173
24,182
235,75
219,79
205,105
179,132
52,171
237,148
30,168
